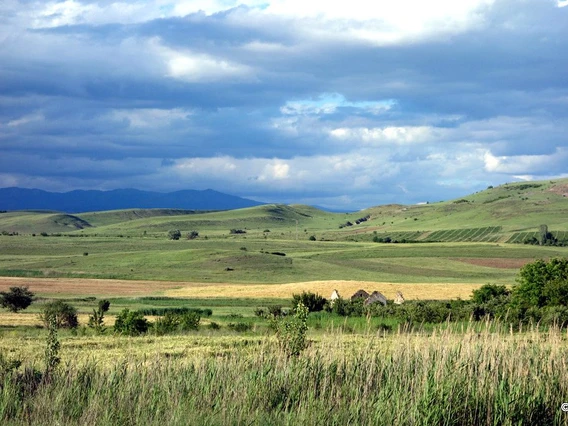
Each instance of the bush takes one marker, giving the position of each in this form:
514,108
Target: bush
192,235
240,327
131,323
178,311
16,299
487,292
348,308
65,315
312,301
174,234
169,323
291,332
214,326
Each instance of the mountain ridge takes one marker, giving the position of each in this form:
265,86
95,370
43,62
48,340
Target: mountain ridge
81,201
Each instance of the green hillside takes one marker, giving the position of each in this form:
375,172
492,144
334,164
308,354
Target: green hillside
30,222
508,213
118,216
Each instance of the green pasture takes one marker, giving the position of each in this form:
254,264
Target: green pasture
498,214
244,260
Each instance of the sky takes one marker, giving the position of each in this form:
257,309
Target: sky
343,105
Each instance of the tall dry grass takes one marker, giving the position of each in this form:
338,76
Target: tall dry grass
442,378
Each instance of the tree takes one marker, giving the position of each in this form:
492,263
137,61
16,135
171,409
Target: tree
487,292
16,299
312,301
174,234
542,283
64,314
545,237
131,323
96,321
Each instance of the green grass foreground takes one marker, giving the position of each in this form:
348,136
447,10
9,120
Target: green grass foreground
441,378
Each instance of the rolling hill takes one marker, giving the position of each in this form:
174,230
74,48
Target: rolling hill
508,213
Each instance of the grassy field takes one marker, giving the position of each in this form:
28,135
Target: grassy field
465,378
244,260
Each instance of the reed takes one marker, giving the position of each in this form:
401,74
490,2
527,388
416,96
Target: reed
446,377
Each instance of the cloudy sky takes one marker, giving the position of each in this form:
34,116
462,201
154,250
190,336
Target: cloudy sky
342,104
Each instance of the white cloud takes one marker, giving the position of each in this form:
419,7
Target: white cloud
150,117
328,103
397,135
277,171
525,164
199,67
25,120
378,22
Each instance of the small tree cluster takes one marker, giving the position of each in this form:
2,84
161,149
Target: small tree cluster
312,301
177,322
542,283
64,315
16,299
131,323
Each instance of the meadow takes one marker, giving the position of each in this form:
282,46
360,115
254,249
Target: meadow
355,370
469,377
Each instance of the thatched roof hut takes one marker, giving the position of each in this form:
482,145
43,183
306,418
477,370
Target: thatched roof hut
376,297
334,296
360,294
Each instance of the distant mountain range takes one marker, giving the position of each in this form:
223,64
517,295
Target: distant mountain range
88,201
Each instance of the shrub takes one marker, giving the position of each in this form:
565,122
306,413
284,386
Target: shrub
52,346
488,292
240,327
189,321
174,234
214,326
64,315
16,299
96,321
291,331
169,323
312,301
192,235
312,238
176,322
131,323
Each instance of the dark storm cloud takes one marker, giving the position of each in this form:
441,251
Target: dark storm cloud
241,99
